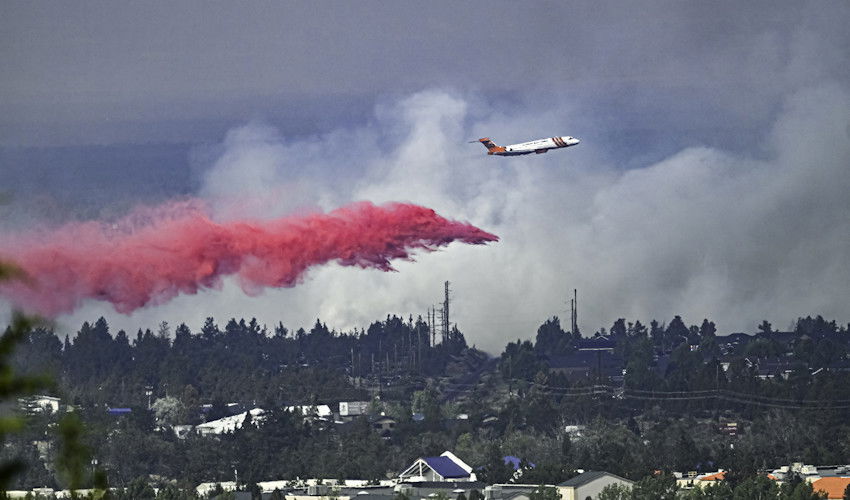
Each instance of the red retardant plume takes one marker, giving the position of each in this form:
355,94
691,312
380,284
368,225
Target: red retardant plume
151,256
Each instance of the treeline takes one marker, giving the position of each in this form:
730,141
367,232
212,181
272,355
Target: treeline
668,411
243,362
693,371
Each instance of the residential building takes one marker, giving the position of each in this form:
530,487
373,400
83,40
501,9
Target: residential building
384,425
509,491
228,424
834,487
39,404
353,408
589,484
445,468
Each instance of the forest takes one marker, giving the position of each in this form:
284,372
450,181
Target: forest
663,400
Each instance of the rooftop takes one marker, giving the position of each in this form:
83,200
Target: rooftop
446,467
586,477
833,486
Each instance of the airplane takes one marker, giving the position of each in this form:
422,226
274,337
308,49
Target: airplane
525,148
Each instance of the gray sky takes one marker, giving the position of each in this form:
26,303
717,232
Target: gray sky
711,180
141,72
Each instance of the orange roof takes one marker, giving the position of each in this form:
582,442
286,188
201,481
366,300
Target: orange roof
718,476
833,486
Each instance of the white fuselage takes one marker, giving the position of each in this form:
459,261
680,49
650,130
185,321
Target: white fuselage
539,145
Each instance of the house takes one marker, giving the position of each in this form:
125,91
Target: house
601,343
733,342
509,491
834,487
786,340
588,364
589,484
436,489
205,489
228,424
774,367
317,412
712,477
702,480
39,404
445,468
353,408
384,425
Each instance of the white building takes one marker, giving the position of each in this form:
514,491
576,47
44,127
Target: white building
228,424
40,404
446,467
353,408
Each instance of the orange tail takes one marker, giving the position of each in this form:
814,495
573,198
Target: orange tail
490,145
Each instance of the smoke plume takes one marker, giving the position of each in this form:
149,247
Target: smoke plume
153,255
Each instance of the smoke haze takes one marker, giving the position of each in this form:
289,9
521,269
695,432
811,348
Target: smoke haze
702,233
711,180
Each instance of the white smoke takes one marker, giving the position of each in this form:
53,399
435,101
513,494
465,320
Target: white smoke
704,233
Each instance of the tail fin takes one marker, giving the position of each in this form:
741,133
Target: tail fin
490,145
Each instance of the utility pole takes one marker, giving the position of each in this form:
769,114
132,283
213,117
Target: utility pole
419,347
432,329
446,323
574,315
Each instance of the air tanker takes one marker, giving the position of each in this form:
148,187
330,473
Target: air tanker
525,148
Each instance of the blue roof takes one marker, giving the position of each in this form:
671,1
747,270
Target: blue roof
515,462
116,411
445,467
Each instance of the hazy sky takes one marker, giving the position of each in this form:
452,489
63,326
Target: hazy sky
711,181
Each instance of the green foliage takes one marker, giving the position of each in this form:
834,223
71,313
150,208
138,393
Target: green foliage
13,385
799,490
74,456
168,410
552,339
759,486
138,489
544,493
615,491
173,492
494,470
655,487
547,473
719,490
